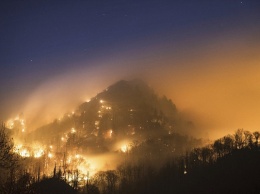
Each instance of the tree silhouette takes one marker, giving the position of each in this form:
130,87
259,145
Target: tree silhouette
107,180
256,136
8,162
8,158
228,144
53,186
239,139
218,147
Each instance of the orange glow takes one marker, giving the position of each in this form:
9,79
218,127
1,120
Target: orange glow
50,155
38,153
124,148
24,153
214,82
73,130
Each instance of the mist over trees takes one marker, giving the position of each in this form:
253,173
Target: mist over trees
228,165
14,177
143,144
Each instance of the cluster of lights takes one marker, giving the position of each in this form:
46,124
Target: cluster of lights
65,136
75,161
17,121
38,153
106,107
103,106
26,152
109,133
51,157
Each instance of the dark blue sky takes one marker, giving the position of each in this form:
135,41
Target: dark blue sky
42,39
36,32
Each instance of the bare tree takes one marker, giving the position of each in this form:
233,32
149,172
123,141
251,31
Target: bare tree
239,139
8,158
207,154
248,139
228,143
218,147
256,137
8,162
107,181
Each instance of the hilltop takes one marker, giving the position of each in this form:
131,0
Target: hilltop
125,110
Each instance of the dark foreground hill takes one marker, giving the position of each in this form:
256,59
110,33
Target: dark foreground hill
236,173
218,168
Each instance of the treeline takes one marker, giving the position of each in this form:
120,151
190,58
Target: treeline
229,165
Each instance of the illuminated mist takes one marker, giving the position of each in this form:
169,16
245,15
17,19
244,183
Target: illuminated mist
216,86
130,89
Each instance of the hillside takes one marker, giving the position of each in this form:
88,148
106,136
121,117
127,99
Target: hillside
125,110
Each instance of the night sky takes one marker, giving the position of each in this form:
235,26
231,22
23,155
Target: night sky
82,46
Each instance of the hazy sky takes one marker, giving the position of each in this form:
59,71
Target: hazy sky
205,55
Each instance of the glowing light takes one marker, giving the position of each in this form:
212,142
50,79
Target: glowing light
124,148
23,130
69,160
10,124
38,153
24,153
185,172
64,139
50,155
77,156
73,130
110,133
101,101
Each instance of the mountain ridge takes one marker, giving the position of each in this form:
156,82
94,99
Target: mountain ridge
126,109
